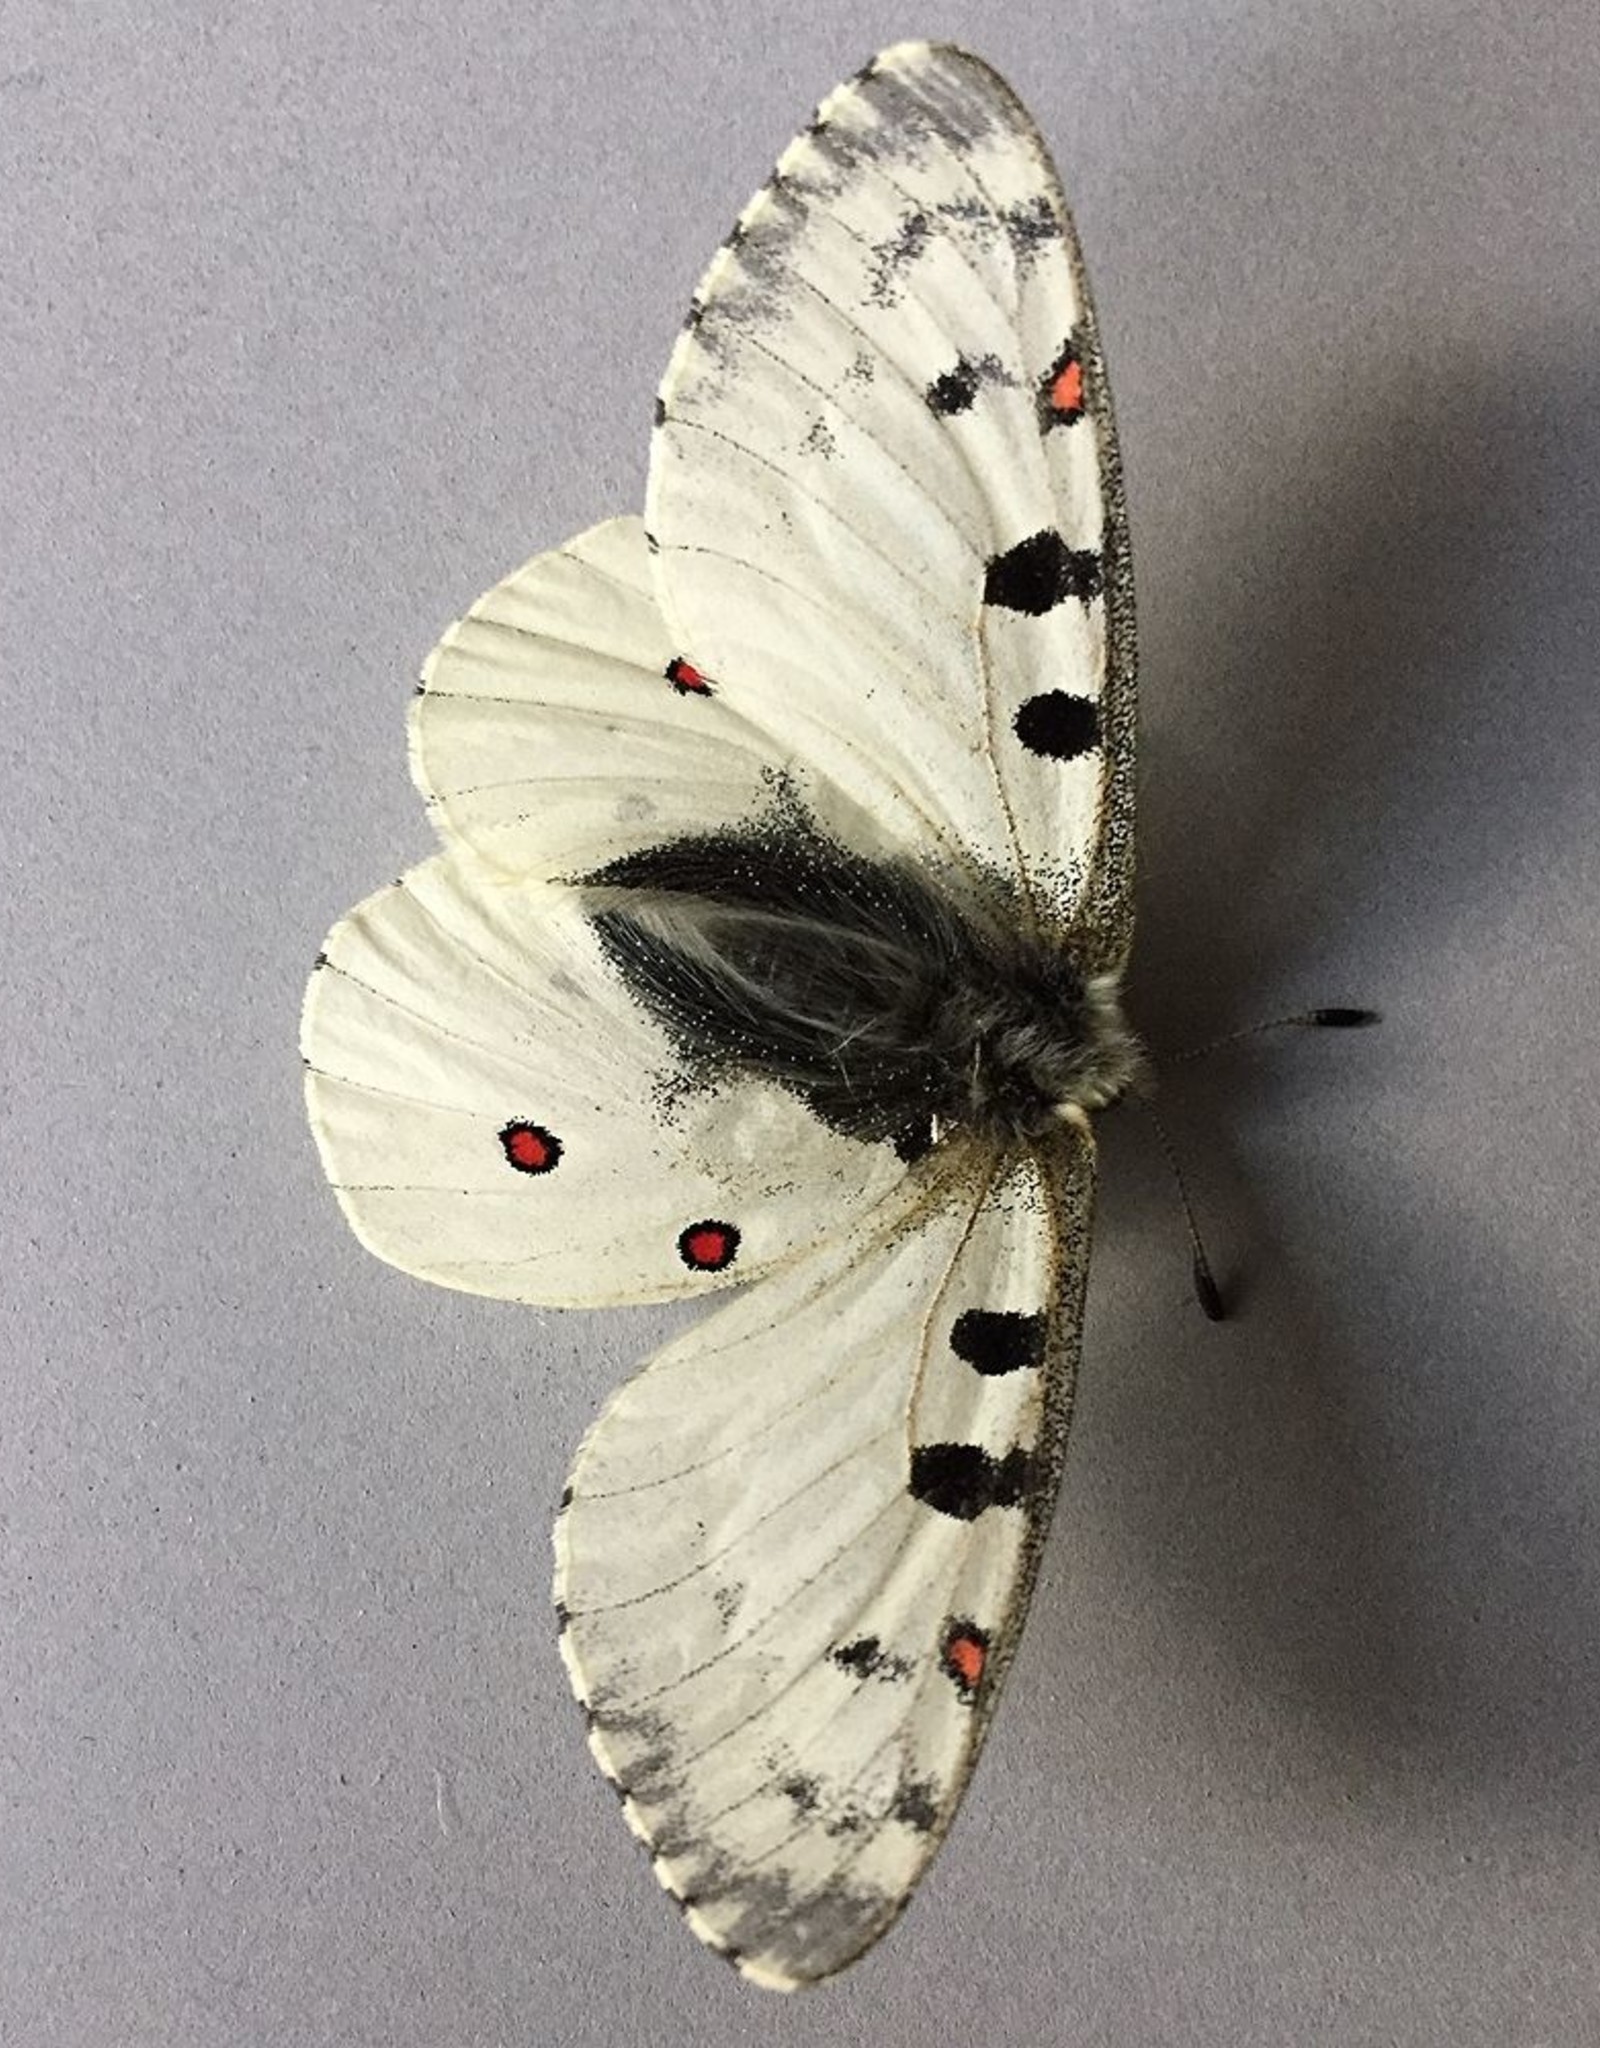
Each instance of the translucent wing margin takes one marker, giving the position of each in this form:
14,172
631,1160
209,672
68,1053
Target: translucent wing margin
795,1554
885,491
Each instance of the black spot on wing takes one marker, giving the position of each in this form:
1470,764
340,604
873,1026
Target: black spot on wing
954,391
1041,572
1059,724
867,1658
996,1341
916,1803
961,1480
802,1792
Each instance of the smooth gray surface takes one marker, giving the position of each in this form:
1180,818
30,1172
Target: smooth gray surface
314,320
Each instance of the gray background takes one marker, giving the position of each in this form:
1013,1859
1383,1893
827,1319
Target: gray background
314,320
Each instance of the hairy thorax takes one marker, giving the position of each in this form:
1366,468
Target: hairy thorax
896,1006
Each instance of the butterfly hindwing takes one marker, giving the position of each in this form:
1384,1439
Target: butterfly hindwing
496,1114
884,489
795,1552
558,726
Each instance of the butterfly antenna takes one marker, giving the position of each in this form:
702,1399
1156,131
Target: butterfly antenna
1330,1018
1207,1292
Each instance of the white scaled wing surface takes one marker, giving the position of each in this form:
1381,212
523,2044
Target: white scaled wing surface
794,1557
884,488
558,726
495,1114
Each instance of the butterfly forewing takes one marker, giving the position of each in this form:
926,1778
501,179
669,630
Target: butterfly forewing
883,485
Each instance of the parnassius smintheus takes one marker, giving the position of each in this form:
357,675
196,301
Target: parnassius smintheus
777,938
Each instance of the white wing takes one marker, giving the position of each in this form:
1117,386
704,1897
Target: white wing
794,1557
885,495
557,726
495,1113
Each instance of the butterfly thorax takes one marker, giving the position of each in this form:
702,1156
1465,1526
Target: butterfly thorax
897,1002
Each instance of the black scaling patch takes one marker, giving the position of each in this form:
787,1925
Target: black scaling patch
820,440
566,1500
995,1341
960,384
563,1617
961,1480
1059,725
1030,225
915,1142
802,1792
892,258
1041,572
661,412
867,1658
954,391
916,1803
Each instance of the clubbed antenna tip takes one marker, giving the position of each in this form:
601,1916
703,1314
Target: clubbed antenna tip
1343,1020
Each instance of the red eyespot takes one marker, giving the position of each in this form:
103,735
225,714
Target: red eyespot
530,1148
1066,388
708,1247
1061,393
965,1653
686,679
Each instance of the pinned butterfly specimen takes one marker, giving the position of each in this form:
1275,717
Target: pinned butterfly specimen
777,938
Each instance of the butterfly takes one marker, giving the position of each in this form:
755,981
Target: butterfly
777,938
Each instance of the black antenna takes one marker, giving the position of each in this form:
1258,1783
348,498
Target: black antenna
1207,1292
1330,1018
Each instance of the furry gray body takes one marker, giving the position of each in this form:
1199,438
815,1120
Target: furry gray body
894,1008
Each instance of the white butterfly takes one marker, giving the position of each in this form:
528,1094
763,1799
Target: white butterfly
778,935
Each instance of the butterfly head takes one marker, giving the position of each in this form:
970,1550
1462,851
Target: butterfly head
1047,1045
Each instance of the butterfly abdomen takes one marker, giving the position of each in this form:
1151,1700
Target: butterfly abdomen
894,1005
